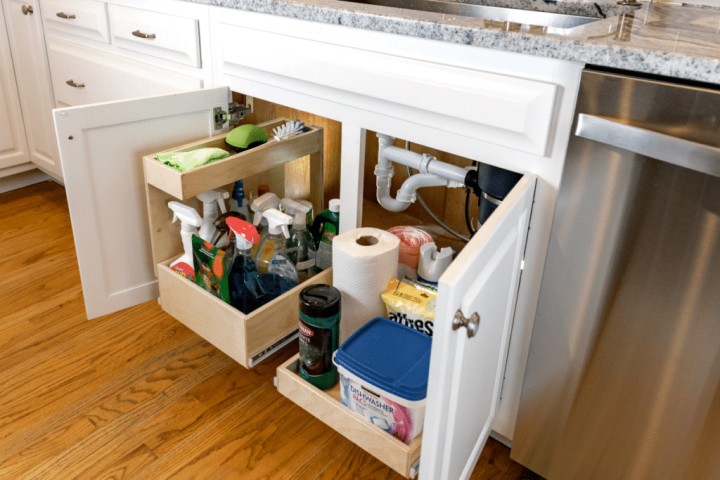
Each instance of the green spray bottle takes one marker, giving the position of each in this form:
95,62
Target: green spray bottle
324,229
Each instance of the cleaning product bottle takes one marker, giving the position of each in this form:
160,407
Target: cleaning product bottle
277,272
238,202
211,200
243,275
325,226
310,214
259,205
432,263
190,221
319,333
300,245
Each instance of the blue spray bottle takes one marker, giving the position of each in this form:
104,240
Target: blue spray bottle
242,270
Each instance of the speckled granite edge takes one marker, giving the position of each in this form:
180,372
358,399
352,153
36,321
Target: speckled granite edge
564,48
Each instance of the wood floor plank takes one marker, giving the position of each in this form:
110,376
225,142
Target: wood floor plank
135,394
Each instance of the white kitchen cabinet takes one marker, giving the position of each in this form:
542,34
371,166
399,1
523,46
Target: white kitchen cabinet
509,110
13,146
413,89
111,50
102,146
24,27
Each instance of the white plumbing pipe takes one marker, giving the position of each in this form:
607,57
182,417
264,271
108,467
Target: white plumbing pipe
406,193
432,173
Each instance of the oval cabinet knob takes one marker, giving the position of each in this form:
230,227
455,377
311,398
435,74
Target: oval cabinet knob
471,324
27,9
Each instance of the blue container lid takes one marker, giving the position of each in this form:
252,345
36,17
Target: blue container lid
390,356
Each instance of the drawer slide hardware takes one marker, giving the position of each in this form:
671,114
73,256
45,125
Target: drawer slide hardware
235,113
66,16
471,324
146,36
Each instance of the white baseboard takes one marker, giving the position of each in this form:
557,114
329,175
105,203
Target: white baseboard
22,179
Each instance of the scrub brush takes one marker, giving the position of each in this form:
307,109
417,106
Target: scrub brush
295,127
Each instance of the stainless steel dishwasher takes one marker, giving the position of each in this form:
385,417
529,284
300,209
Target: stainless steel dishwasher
623,375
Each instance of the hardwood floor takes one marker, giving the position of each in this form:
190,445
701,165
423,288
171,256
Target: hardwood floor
136,394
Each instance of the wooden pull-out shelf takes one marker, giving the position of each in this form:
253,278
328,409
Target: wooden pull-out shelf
292,167
248,339
185,185
326,406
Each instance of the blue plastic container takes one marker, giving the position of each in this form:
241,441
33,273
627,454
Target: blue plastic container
383,370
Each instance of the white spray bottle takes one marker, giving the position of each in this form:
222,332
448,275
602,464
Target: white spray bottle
272,257
433,263
263,203
211,200
301,245
190,221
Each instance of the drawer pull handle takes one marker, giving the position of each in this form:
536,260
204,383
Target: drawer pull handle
148,36
27,10
66,16
72,83
471,324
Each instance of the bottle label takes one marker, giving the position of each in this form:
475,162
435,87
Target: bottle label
317,344
306,264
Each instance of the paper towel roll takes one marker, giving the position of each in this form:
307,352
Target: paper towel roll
364,260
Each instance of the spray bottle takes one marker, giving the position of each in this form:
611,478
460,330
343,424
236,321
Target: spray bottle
190,221
433,263
238,202
277,272
210,201
243,276
324,228
259,206
300,246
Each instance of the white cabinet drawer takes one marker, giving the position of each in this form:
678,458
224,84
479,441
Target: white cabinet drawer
84,18
170,37
81,77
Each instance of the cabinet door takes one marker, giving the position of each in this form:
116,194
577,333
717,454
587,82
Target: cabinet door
31,69
466,373
101,147
13,148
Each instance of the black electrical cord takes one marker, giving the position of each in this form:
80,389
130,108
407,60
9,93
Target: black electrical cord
468,220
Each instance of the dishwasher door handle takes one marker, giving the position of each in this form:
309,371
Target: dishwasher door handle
677,151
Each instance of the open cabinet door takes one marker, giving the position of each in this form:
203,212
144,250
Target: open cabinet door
466,373
101,147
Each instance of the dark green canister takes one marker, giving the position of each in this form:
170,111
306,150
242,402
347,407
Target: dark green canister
319,327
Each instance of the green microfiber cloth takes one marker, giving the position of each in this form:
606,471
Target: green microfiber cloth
184,161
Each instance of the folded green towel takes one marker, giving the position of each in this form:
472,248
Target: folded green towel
184,161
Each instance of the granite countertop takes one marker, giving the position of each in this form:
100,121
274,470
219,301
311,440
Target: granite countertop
663,39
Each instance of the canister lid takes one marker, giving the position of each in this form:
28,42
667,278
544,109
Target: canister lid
389,356
320,300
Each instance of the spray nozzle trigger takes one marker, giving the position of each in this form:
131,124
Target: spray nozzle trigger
299,210
277,221
261,204
218,196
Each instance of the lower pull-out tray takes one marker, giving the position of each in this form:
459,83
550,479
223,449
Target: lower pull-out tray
248,339
326,406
